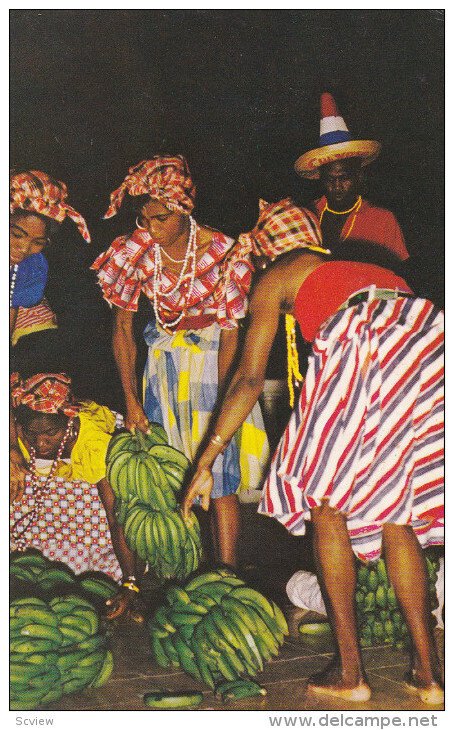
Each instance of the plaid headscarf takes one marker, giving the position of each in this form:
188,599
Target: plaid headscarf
36,192
166,179
44,393
281,227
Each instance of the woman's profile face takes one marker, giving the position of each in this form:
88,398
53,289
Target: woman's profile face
27,235
45,433
164,226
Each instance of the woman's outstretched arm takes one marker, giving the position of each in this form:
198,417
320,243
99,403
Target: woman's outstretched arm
245,387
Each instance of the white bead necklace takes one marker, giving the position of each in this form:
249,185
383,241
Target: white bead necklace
187,272
12,284
39,491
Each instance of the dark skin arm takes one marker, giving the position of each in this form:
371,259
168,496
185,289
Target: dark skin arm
125,353
17,463
274,294
244,388
129,563
227,349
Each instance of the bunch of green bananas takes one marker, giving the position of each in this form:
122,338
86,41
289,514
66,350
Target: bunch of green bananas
216,628
146,475
380,620
31,571
56,648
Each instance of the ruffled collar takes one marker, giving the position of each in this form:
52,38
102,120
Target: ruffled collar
140,245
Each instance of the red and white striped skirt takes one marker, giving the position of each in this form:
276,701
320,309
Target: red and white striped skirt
368,432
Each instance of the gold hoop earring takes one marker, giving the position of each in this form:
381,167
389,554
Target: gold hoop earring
138,224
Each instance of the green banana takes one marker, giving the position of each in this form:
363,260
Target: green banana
22,572
71,635
105,671
71,658
280,619
174,475
177,595
77,622
88,615
92,643
57,575
31,646
46,659
149,539
202,665
160,617
43,616
186,657
240,689
315,629
54,694
42,631
249,595
29,559
21,672
201,581
159,653
169,455
270,636
216,590
172,701
27,601
116,444
171,652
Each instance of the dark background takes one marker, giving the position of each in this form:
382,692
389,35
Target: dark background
236,92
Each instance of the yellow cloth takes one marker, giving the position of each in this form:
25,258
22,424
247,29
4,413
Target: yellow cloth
88,456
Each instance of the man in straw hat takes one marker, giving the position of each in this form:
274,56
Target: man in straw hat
338,163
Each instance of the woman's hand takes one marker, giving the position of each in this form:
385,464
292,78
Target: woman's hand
18,472
136,418
201,486
123,604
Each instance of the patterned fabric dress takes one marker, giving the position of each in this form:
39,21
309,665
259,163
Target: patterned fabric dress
367,434
72,526
181,374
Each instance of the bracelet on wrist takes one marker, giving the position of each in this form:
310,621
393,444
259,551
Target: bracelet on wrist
131,584
216,440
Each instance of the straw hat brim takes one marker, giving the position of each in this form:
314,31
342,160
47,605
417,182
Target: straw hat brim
308,164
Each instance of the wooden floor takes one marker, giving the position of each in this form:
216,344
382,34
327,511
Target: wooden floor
284,678
269,556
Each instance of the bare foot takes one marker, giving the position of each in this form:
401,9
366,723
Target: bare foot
431,693
332,682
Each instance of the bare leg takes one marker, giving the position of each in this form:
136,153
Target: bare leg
225,518
337,574
407,573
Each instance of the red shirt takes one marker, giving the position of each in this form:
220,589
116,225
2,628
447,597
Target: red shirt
376,225
331,284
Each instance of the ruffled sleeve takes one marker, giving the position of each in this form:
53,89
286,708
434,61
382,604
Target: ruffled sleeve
236,277
119,273
88,457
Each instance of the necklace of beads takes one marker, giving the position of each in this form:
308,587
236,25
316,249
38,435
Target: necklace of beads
354,209
187,273
12,284
39,491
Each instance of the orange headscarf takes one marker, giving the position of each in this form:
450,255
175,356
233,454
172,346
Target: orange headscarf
166,179
36,192
282,227
44,393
